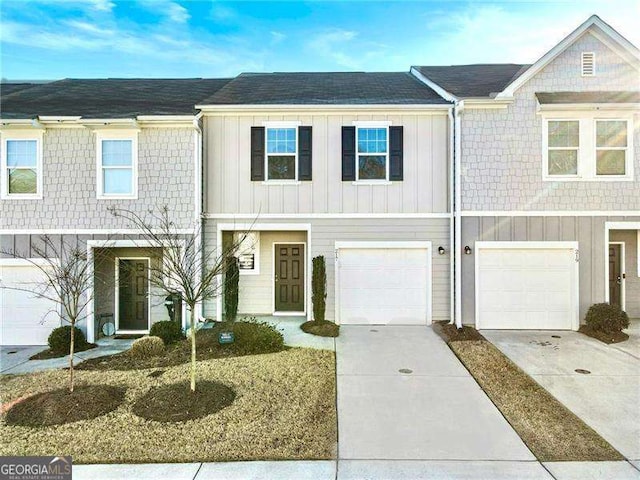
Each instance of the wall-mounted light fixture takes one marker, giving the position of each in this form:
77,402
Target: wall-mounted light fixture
467,250
441,250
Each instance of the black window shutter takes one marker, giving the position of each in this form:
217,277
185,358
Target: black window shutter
257,154
348,153
395,153
304,153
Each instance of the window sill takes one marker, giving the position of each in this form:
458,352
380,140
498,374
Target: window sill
21,197
281,182
372,182
117,197
611,178
249,272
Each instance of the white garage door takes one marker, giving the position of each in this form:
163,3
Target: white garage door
381,285
24,318
527,285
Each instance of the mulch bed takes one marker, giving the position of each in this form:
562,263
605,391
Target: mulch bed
48,353
176,402
58,407
321,329
450,333
608,338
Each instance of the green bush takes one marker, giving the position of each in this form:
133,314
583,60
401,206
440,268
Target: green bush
319,288
257,337
60,340
607,318
231,279
147,347
170,332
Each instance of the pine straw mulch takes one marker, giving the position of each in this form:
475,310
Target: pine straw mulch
608,338
48,353
284,409
321,329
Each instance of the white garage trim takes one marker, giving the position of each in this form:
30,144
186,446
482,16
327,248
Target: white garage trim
483,245
608,226
425,245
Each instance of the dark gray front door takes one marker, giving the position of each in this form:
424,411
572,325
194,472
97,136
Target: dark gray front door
289,278
615,274
133,290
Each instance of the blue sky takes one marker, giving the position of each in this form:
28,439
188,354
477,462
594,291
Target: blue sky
51,39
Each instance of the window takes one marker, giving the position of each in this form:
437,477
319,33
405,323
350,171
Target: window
22,167
372,154
117,167
587,148
248,252
588,64
282,153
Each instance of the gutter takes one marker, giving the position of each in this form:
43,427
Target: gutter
198,189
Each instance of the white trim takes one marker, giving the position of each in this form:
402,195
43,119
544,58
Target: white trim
309,216
432,85
87,231
623,281
550,213
132,136
21,262
457,196
562,46
608,226
421,245
372,125
583,55
638,252
337,109
259,227
601,108
116,315
281,123
273,281
22,135
500,245
270,125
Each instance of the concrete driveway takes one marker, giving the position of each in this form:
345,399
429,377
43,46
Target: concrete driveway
607,399
403,395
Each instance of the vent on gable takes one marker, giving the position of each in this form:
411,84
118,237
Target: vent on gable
588,64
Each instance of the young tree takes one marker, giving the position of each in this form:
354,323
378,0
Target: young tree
67,281
186,268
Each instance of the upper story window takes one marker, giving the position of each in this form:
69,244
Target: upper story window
588,64
117,166
588,149
282,153
372,154
22,166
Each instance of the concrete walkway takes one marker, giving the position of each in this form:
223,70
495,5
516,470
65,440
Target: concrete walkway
607,399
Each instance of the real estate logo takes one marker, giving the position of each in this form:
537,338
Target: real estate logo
35,468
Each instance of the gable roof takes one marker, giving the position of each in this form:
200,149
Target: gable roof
109,98
7,88
470,81
332,88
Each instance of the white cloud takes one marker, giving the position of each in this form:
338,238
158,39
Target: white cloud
177,13
334,44
102,5
277,37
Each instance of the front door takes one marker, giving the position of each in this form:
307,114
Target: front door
615,274
133,294
289,277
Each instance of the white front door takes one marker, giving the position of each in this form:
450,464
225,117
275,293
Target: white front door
25,319
527,285
381,285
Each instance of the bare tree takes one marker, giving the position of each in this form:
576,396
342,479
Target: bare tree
67,281
186,268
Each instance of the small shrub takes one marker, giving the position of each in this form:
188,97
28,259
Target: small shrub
170,332
60,340
319,288
607,318
256,337
231,279
147,347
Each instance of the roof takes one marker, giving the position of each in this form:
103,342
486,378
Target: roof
470,81
109,98
7,88
587,97
334,88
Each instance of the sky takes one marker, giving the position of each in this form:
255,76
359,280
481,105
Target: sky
52,39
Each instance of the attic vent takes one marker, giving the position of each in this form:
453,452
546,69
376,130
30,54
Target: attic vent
588,64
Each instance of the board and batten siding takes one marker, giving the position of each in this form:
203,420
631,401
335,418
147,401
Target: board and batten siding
229,188
589,232
324,235
502,148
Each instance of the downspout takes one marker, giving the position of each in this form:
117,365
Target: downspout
457,153
198,193
452,273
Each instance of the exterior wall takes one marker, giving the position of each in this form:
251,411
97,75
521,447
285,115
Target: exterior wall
325,232
589,232
229,188
165,176
632,280
502,148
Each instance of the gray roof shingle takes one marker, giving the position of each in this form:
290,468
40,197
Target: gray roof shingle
471,81
333,88
587,97
109,98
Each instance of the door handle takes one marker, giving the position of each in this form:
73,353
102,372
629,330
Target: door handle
619,280
277,278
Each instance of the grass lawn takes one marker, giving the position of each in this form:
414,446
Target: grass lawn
551,431
284,409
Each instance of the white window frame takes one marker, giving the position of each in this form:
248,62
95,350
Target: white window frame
256,258
373,124
122,135
4,175
276,125
587,150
